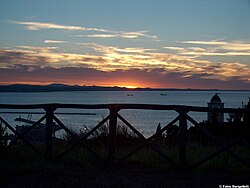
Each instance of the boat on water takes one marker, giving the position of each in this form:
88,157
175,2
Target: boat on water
130,95
36,134
164,94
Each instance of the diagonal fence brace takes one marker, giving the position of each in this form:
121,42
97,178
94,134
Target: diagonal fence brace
217,152
82,139
19,135
28,130
76,138
216,141
146,141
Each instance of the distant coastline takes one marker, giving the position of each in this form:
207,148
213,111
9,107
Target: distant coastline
64,87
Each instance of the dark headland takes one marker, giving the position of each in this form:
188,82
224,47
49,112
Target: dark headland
64,87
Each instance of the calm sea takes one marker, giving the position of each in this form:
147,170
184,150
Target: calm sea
145,120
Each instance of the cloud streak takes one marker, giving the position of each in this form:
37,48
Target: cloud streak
213,48
122,34
216,48
54,41
89,76
234,46
111,59
104,33
44,25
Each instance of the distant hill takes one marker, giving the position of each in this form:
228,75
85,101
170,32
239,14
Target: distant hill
63,87
60,87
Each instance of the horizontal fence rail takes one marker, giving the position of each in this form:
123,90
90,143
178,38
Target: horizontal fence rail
49,115
124,107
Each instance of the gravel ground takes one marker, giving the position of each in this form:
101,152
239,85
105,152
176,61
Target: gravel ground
121,176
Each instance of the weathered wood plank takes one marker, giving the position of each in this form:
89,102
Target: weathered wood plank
124,106
84,138
19,136
25,132
149,139
217,152
183,140
114,108
112,134
146,141
217,141
48,132
76,138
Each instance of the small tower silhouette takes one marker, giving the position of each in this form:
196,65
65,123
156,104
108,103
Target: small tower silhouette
215,102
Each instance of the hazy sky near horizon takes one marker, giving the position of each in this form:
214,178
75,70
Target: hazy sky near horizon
134,43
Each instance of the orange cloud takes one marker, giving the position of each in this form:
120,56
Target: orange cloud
215,48
111,58
156,78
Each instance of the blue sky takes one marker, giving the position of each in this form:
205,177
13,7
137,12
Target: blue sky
182,43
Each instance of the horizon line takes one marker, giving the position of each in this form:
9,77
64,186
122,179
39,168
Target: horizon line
124,87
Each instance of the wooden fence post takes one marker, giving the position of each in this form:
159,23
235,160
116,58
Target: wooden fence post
112,133
48,132
183,139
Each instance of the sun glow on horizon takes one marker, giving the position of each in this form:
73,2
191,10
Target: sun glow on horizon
129,86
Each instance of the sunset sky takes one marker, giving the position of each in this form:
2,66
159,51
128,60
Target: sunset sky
132,43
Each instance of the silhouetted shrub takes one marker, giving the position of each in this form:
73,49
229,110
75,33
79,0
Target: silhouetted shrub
3,140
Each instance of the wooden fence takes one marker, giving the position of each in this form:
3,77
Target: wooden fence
183,117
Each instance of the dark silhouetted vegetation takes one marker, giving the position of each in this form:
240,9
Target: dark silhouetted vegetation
3,140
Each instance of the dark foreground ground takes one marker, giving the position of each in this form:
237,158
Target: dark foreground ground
46,174
21,167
